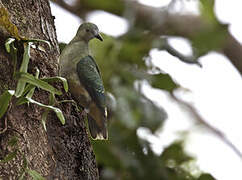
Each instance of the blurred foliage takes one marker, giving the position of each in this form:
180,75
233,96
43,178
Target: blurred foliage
210,39
207,10
125,155
213,37
113,6
123,64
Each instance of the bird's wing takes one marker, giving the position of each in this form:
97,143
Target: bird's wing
94,62
89,76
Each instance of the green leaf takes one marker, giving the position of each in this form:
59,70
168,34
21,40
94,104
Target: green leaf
58,112
25,163
206,176
20,88
35,175
51,99
9,157
59,115
13,141
38,40
78,109
210,39
45,114
22,99
24,167
164,82
14,56
4,101
207,10
8,44
28,78
43,119
23,68
21,177
26,56
31,92
175,152
27,88
151,116
57,78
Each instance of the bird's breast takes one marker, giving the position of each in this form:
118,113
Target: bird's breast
78,91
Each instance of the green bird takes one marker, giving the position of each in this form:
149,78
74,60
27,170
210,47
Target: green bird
84,79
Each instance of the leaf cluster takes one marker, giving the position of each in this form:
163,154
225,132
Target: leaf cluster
27,83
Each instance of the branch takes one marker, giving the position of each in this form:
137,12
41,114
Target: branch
193,59
233,51
202,121
161,22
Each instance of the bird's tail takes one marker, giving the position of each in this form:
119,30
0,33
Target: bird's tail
98,132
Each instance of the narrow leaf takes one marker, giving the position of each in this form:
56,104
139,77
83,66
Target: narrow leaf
53,79
8,44
45,114
13,52
38,40
60,115
22,99
20,88
26,56
58,112
51,99
29,89
23,68
13,141
43,119
35,175
23,169
9,157
31,92
28,78
4,101
21,177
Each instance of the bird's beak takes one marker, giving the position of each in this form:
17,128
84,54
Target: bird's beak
98,36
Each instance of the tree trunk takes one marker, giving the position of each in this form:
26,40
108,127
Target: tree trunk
64,151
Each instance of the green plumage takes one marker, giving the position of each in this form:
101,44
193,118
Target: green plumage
84,79
90,77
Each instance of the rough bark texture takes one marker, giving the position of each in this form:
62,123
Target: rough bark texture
63,152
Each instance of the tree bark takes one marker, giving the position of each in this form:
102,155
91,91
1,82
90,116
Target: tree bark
64,151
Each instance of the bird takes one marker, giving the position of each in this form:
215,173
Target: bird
84,79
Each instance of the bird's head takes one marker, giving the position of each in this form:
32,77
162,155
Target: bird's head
88,31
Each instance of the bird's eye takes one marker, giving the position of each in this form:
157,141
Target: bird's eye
87,30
